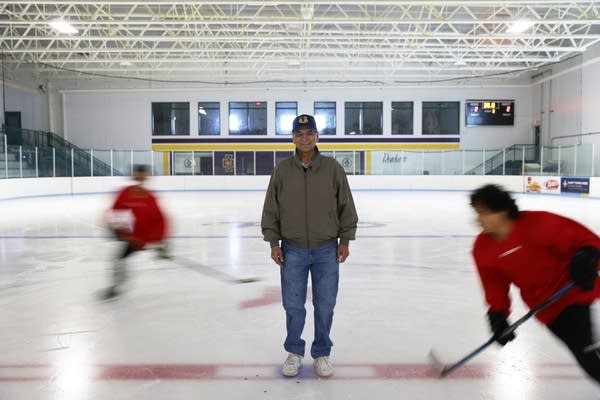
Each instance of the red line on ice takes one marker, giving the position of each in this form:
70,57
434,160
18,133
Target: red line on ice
232,372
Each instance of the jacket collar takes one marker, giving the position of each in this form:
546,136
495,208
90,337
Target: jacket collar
315,162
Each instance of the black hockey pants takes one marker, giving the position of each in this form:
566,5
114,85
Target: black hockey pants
574,327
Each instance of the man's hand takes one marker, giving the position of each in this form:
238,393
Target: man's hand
277,255
343,252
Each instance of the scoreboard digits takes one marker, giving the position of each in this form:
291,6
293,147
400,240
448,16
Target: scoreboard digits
490,112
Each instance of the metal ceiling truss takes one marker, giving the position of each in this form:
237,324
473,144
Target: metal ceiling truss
229,42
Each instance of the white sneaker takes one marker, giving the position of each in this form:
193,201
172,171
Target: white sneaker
292,365
323,367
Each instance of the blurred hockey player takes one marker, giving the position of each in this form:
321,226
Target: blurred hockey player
539,252
137,220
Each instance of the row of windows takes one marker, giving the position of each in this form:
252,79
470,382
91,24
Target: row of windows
360,118
249,162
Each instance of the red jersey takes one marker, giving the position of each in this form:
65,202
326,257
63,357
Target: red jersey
149,223
535,257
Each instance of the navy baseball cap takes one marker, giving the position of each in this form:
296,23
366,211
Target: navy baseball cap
304,121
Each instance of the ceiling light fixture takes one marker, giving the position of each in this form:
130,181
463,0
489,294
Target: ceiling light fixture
307,11
519,26
63,27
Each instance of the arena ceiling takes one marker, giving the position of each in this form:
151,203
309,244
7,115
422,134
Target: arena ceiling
295,41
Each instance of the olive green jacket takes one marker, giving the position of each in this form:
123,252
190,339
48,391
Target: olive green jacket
308,206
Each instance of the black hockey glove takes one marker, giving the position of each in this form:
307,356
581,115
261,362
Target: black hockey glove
498,324
583,267
120,233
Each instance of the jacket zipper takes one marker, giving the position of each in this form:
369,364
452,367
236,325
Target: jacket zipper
306,206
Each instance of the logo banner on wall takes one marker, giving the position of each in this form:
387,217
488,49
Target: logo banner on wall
393,163
347,161
542,184
182,163
573,184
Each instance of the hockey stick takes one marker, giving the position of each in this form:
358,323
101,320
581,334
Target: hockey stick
445,369
211,271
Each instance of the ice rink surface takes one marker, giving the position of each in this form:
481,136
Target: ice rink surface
179,332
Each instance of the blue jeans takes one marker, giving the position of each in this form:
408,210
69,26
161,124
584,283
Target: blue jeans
324,271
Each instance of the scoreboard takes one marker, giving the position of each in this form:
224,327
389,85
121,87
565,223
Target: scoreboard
490,112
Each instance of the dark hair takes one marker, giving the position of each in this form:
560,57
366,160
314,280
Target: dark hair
140,168
496,199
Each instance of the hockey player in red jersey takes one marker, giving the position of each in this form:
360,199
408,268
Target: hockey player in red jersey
539,252
147,225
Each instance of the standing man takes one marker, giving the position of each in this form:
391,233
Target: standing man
147,225
539,252
308,207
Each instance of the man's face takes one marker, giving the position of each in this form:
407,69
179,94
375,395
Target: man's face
305,140
490,221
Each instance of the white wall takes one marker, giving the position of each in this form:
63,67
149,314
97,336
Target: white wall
565,100
121,119
30,102
590,99
101,120
563,97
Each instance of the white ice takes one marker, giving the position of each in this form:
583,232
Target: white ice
177,332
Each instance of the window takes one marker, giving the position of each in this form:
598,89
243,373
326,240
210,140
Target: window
244,163
209,118
224,163
441,117
285,112
325,117
402,117
248,118
282,155
265,160
364,118
170,118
